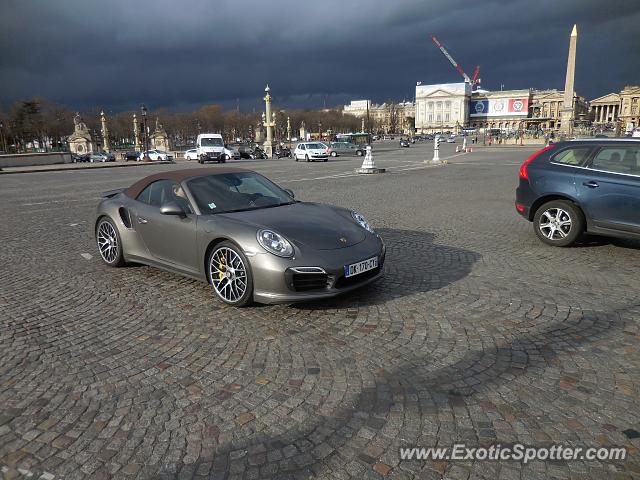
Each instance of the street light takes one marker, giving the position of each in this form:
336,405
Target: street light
145,157
3,143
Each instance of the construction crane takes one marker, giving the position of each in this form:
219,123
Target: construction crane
474,80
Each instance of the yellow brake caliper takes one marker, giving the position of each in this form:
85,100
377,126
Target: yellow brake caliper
221,267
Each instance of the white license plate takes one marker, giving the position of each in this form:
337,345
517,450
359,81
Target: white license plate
360,267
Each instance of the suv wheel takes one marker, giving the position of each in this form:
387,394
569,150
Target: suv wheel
558,223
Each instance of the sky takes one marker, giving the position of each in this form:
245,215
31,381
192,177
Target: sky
181,54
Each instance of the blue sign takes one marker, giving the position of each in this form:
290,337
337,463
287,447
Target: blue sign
478,108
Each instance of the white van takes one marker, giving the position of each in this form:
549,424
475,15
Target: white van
210,147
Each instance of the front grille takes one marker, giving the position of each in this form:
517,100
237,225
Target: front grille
344,282
302,282
303,279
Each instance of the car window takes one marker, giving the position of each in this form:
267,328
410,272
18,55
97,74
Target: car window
301,146
618,159
162,192
572,156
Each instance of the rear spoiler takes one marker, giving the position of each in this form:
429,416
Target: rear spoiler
112,193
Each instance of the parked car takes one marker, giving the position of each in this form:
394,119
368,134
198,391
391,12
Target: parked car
404,143
231,152
191,154
79,158
130,156
593,186
311,151
451,139
238,231
97,157
156,155
345,148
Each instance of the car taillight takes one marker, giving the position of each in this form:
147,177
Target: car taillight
524,173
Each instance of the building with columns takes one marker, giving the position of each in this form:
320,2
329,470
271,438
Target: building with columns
441,107
617,108
605,109
546,108
630,107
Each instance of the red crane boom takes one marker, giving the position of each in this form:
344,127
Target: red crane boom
474,81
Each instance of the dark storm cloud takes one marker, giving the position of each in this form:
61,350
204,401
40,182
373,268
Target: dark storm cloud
180,54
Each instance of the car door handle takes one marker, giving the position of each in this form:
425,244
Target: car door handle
591,184
142,220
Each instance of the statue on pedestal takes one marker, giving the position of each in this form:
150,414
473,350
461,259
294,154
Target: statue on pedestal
159,138
80,141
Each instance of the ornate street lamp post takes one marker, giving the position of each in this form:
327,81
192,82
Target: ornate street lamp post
145,133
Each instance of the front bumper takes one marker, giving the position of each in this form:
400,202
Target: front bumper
272,278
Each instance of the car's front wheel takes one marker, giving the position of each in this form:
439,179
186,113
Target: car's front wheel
558,223
109,243
306,157
334,154
230,275
359,153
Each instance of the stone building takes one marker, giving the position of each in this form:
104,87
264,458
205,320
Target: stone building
385,118
605,109
80,141
507,110
441,107
546,108
358,108
617,109
630,107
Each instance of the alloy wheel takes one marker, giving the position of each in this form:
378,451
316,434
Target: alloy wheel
555,223
108,242
228,274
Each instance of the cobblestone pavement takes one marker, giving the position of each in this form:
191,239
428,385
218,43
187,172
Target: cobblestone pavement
478,333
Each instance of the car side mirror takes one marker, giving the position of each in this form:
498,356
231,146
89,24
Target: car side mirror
172,208
290,192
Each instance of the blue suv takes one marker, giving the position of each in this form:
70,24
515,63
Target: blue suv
578,186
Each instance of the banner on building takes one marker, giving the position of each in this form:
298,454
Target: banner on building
499,107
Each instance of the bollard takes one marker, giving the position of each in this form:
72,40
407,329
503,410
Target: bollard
464,144
368,165
436,151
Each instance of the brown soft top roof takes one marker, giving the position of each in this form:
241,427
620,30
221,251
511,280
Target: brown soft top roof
177,176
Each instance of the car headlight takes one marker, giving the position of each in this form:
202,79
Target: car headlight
362,221
275,243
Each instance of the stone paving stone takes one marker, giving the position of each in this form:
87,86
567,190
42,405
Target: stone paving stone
477,333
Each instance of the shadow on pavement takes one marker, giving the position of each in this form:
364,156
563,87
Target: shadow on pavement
413,264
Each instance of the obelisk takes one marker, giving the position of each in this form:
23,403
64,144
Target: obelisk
567,115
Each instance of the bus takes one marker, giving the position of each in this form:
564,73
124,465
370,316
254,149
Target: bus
355,138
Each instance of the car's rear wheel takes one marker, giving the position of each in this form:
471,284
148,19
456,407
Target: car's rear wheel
558,223
359,153
230,275
109,243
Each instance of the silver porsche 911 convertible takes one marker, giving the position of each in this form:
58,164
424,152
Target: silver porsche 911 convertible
250,239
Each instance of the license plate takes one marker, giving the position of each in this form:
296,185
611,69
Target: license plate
360,267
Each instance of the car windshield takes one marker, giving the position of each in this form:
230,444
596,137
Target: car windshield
211,142
235,192
316,146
